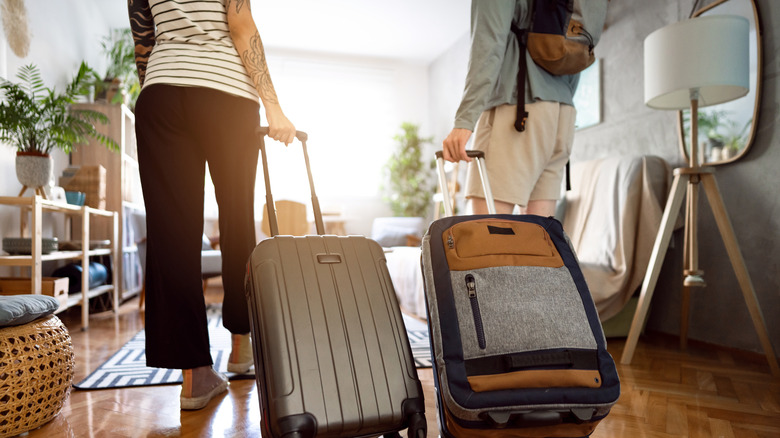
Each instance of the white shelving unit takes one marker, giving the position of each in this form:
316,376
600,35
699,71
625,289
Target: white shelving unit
34,207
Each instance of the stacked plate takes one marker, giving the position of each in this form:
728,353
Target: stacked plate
23,245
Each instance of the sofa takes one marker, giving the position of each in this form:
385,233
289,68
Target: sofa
612,215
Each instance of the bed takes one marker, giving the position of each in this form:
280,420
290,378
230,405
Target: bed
403,263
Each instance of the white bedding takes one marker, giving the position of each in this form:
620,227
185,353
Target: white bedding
403,262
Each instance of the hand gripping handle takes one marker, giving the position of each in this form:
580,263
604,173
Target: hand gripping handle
447,201
261,132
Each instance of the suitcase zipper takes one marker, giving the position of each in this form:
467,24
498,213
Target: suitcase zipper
471,287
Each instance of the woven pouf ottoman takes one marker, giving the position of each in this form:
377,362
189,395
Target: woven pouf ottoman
36,373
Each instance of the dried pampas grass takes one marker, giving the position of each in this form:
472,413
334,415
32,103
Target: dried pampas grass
14,16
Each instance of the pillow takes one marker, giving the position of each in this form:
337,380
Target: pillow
21,309
393,236
392,231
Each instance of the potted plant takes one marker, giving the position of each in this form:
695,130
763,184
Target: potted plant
120,82
735,138
410,186
37,120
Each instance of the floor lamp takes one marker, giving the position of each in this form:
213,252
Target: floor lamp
690,64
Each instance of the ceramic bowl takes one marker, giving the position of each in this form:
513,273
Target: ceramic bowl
75,198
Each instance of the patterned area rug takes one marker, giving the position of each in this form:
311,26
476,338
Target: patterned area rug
127,367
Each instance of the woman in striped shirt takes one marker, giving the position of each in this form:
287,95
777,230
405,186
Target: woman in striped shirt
203,71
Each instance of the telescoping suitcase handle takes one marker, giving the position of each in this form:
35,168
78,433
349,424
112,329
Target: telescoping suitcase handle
479,156
261,132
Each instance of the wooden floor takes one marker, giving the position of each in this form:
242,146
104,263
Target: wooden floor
704,392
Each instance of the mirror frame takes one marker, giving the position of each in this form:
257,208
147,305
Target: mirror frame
757,104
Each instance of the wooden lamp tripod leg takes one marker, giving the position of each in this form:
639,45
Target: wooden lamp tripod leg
672,210
681,180
738,263
692,273
685,300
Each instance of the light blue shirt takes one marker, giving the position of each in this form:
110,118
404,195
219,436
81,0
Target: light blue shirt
493,63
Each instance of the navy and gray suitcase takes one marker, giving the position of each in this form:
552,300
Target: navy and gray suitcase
332,357
516,340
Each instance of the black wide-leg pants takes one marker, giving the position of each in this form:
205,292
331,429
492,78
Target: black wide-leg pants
179,130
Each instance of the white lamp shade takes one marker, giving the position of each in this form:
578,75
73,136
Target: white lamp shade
709,54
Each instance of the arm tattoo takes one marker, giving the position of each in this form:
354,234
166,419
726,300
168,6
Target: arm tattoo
254,60
239,4
142,25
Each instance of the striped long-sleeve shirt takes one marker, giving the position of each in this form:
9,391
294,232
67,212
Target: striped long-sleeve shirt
193,47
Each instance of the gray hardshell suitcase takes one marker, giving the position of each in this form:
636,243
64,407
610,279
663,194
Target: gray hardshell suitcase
332,358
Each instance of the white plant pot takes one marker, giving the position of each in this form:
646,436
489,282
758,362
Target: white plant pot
33,170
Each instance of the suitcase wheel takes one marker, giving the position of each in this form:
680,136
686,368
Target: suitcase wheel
418,427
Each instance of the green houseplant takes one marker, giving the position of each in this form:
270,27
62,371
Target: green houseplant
410,187
120,82
722,133
36,120
736,137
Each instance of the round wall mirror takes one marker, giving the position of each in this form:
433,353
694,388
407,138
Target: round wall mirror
726,131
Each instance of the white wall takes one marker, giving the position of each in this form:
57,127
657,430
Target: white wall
448,78
63,33
447,81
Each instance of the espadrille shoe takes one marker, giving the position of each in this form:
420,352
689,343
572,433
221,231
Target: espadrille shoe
199,386
241,356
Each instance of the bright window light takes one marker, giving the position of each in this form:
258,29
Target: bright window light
347,112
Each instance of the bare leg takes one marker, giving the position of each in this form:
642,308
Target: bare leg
540,207
479,206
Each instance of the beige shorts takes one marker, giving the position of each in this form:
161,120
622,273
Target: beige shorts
527,165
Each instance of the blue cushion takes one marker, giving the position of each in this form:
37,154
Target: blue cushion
21,309
98,275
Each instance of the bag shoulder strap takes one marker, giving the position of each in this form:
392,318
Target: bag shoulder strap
522,114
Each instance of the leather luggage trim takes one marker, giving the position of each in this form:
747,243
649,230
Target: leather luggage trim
493,242
536,379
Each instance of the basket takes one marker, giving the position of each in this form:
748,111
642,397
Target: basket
90,180
36,373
